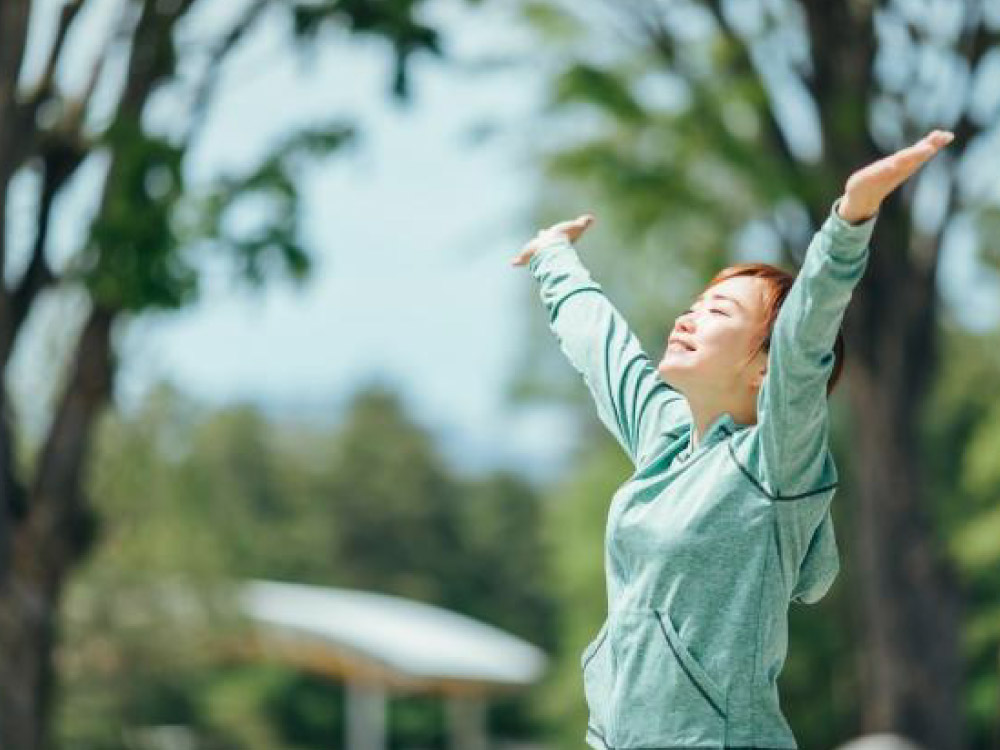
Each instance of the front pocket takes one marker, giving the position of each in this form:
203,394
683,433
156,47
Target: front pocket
701,679
662,696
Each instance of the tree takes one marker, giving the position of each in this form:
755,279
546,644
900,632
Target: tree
140,253
402,523
197,499
710,122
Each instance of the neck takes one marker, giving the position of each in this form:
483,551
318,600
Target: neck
706,416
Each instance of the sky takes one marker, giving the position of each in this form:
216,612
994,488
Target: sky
411,233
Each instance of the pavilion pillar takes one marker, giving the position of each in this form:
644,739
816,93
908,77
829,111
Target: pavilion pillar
365,715
466,717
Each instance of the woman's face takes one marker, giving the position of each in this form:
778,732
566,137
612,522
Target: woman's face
708,347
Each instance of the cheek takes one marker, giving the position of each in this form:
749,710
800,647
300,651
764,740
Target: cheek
722,340
725,349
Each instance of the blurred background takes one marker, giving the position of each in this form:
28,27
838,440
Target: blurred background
288,455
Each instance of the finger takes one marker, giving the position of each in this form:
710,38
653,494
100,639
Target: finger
911,158
562,226
924,149
940,138
580,222
520,259
524,254
895,169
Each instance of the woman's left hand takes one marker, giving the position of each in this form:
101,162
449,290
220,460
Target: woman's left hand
868,187
570,230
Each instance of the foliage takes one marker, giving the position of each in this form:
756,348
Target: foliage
199,499
704,133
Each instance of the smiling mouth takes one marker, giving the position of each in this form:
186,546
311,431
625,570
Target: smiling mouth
679,346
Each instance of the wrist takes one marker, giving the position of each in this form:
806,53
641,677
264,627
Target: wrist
855,212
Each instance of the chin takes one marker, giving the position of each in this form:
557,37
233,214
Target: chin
668,374
677,371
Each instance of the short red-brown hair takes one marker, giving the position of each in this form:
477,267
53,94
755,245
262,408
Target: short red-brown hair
779,282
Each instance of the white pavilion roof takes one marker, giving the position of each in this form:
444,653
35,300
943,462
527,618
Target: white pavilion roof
402,636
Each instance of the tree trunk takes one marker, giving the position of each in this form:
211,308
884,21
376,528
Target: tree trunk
47,542
909,612
27,633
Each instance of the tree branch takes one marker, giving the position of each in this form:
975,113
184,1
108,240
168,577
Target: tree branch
12,495
742,68
204,93
978,40
59,161
842,37
57,508
14,15
152,57
13,34
773,135
76,107
46,82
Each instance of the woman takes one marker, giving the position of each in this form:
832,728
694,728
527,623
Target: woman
726,519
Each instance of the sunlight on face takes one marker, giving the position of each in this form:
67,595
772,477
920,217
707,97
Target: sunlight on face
709,343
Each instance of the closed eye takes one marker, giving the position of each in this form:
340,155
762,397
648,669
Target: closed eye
715,310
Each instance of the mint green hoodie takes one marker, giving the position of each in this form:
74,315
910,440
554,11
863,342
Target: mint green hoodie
705,548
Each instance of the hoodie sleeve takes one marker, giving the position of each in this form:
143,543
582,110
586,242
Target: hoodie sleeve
820,565
791,430
632,401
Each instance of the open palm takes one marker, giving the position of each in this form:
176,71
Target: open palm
868,187
570,230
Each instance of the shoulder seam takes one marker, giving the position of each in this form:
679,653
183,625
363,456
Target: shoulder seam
777,498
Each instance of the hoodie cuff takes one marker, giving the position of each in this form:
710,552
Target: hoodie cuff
551,248
847,240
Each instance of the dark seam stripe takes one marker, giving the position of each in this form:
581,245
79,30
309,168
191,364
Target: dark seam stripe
596,649
634,438
776,533
640,410
694,681
779,498
672,396
555,308
610,392
593,730
613,398
640,414
757,648
783,498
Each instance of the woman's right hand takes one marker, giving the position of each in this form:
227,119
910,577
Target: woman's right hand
570,230
868,187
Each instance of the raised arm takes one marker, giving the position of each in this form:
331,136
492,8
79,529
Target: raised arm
792,425
632,401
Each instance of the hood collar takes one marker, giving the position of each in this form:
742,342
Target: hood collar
723,425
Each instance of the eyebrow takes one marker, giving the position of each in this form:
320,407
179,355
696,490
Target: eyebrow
723,296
